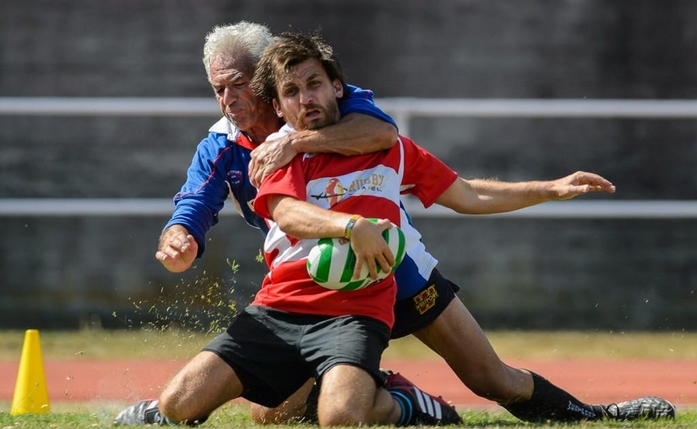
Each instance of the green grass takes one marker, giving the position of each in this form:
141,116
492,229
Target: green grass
86,416
171,344
154,344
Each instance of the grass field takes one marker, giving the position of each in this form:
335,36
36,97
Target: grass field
102,344
236,416
153,344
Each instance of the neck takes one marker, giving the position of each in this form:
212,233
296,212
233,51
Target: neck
262,128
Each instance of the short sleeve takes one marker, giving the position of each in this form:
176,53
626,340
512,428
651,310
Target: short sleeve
288,181
358,100
425,176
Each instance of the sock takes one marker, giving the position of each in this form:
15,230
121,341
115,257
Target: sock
153,416
406,407
549,403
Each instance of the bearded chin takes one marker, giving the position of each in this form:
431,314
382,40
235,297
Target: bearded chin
316,124
329,118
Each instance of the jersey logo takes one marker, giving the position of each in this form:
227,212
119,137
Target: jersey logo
426,299
235,176
334,191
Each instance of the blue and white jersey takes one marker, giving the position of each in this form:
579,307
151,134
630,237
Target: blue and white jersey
219,170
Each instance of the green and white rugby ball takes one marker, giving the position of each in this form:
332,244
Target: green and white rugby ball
331,261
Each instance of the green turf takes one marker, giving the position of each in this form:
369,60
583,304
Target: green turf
84,416
171,343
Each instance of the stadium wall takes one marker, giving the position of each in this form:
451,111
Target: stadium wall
522,274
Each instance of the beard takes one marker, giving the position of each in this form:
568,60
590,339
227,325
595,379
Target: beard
329,116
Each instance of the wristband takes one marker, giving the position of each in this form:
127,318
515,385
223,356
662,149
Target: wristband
349,226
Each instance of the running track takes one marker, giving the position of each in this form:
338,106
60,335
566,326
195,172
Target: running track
591,380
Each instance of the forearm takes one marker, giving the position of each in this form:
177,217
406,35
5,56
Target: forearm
484,196
498,197
303,220
354,134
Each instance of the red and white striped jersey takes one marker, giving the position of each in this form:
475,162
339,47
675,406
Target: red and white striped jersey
368,185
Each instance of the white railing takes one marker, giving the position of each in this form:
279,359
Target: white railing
621,209
401,109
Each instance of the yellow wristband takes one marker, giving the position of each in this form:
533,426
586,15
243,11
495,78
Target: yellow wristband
349,226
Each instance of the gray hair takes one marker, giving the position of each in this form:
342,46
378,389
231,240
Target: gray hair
234,39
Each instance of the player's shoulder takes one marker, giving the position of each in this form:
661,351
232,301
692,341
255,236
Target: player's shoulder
405,140
219,143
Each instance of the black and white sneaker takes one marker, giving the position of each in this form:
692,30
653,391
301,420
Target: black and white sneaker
141,413
426,409
647,408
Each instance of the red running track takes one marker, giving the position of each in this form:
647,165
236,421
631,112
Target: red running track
590,380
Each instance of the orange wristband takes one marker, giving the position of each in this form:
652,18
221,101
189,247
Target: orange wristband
349,226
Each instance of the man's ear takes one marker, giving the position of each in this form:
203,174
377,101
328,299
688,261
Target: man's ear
338,88
277,108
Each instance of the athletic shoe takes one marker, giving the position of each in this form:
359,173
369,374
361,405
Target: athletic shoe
426,408
647,408
141,413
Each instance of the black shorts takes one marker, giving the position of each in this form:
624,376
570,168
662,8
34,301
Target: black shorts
417,312
274,353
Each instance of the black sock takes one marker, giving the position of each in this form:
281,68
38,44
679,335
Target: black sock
552,404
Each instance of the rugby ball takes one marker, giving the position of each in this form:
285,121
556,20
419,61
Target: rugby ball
331,261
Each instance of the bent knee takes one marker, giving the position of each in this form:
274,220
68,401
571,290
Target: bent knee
168,405
174,408
342,416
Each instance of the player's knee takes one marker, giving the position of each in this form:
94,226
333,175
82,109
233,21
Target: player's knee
174,408
342,415
168,406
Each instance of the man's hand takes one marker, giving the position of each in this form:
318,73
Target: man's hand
178,249
269,157
370,247
579,183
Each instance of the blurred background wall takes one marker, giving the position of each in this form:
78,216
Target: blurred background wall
604,274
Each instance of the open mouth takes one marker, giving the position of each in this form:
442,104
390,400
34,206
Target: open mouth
312,114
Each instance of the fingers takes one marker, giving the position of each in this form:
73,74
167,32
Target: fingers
253,172
255,175
595,182
177,252
381,260
259,167
371,248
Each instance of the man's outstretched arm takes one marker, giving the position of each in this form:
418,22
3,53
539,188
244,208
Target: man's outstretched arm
484,196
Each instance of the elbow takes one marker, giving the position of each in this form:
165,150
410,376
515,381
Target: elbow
290,227
466,211
388,135
284,224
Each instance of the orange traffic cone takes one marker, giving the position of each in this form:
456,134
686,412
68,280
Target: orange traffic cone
31,394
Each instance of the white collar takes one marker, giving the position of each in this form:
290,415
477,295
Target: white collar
224,126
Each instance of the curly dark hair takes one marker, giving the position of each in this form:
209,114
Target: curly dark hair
290,49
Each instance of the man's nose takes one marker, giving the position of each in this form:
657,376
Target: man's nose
306,97
230,95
